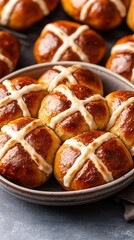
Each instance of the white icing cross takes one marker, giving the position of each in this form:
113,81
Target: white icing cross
88,152
118,3
17,95
76,105
118,111
128,46
18,137
9,7
68,41
64,73
7,61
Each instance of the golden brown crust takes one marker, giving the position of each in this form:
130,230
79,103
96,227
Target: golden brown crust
124,124
130,15
102,15
26,9
121,61
79,74
17,164
75,120
10,110
91,44
9,49
112,153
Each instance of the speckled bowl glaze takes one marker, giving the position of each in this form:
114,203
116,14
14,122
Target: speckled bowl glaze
51,193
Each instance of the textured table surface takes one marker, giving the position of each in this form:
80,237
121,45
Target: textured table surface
20,220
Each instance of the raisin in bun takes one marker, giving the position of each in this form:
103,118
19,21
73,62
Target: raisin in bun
22,14
121,123
121,59
19,97
69,41
27,150
9,53
73,109
74,74
91,159
130,16
100,14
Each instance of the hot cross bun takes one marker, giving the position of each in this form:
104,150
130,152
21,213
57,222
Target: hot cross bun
74,74
73,109
27,150
99,14
121,59
19,97
9,53
121,123
91,159
69,41
22,14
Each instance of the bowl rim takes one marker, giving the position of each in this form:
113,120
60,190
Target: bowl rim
68,63
47,193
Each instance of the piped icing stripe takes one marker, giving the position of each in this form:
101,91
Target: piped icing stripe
132,76
68,41
76,105
128,46
118,3
7,61
118,111
64,73
43,6
17,95
9,7
18,137
88,152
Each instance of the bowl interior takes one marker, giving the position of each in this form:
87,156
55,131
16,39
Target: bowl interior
50,192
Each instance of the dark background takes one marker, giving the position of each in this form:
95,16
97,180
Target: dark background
33,33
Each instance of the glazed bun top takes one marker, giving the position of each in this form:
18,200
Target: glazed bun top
23,14
69,41
74,74
19,97
9,53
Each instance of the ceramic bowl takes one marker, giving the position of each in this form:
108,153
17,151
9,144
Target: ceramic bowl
51,193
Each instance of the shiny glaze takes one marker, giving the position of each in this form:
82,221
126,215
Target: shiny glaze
27,151
13,12
100,14
9,53
112,153
66,40
19,97
73,74
121,59
124,123
72,109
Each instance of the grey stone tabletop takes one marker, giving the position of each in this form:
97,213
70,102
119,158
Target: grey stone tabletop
21,220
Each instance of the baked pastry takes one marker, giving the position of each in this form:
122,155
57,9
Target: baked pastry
27,150
22,14
91,159
99,14
19,97
9,53
121,59
69,41
73,109
74,74
130,16
121,123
